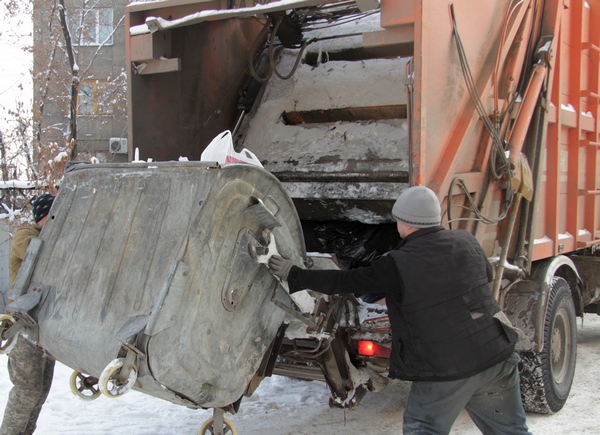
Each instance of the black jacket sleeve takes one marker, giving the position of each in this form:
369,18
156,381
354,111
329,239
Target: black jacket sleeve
381,276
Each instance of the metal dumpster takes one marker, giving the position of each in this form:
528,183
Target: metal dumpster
155,260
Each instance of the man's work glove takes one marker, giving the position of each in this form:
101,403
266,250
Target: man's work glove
280,267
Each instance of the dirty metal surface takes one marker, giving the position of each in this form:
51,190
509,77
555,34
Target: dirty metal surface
160,253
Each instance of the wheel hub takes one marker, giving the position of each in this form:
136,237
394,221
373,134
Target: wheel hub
558,349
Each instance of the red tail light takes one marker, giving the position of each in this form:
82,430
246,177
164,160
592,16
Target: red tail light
370,348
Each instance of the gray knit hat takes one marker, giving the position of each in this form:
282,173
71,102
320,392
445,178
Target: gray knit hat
418,207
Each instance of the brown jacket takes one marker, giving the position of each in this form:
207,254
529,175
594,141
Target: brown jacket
20,242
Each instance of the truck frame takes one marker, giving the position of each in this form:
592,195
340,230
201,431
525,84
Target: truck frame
501,103
494,105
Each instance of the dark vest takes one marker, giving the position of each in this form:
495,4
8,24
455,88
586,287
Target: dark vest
442,322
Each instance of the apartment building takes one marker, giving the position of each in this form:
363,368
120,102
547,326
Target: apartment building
97,34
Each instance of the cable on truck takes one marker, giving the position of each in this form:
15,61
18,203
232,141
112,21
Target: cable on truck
499,164
310,17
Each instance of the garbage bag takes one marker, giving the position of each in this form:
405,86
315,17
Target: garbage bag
355,244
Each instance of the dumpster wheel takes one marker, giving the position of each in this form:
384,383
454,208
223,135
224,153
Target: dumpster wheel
109,382
84,386
208,428
6,322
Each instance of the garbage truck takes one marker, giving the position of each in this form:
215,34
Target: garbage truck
150,274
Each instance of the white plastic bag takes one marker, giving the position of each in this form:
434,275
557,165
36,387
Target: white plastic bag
221,150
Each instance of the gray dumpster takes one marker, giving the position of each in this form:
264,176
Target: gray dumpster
155,259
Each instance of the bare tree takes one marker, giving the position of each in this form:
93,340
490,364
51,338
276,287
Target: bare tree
15,141
74,91
15,116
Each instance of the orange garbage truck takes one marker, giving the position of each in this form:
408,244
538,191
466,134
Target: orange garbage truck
491,104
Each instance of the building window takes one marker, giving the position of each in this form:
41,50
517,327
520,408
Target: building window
94,98
94,27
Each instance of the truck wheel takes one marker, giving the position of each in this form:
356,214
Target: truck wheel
546,376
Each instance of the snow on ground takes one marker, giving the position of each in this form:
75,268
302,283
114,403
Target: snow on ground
287,406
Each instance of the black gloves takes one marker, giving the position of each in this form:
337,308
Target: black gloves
280,267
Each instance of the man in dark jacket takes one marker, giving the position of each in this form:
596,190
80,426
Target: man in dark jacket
446,336
30,370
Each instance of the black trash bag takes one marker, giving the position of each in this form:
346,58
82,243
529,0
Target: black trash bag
355,244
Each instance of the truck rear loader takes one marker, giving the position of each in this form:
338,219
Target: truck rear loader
491,104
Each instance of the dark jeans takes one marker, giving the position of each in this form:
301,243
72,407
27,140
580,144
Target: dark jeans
31,375
492,398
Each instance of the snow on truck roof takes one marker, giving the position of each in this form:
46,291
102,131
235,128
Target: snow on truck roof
154,24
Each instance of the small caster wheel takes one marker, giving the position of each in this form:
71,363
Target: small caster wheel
109,379
207,427
6,322
84,386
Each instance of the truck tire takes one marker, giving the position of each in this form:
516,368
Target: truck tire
546,376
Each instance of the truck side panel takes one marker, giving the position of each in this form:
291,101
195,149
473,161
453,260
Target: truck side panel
569,181
450,143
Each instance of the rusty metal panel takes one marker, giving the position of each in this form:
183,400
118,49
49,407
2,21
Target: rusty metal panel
150,46
177,114
396,13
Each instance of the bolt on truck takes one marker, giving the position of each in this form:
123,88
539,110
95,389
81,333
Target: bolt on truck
491,104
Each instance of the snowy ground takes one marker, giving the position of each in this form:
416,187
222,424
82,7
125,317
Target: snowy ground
288,406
